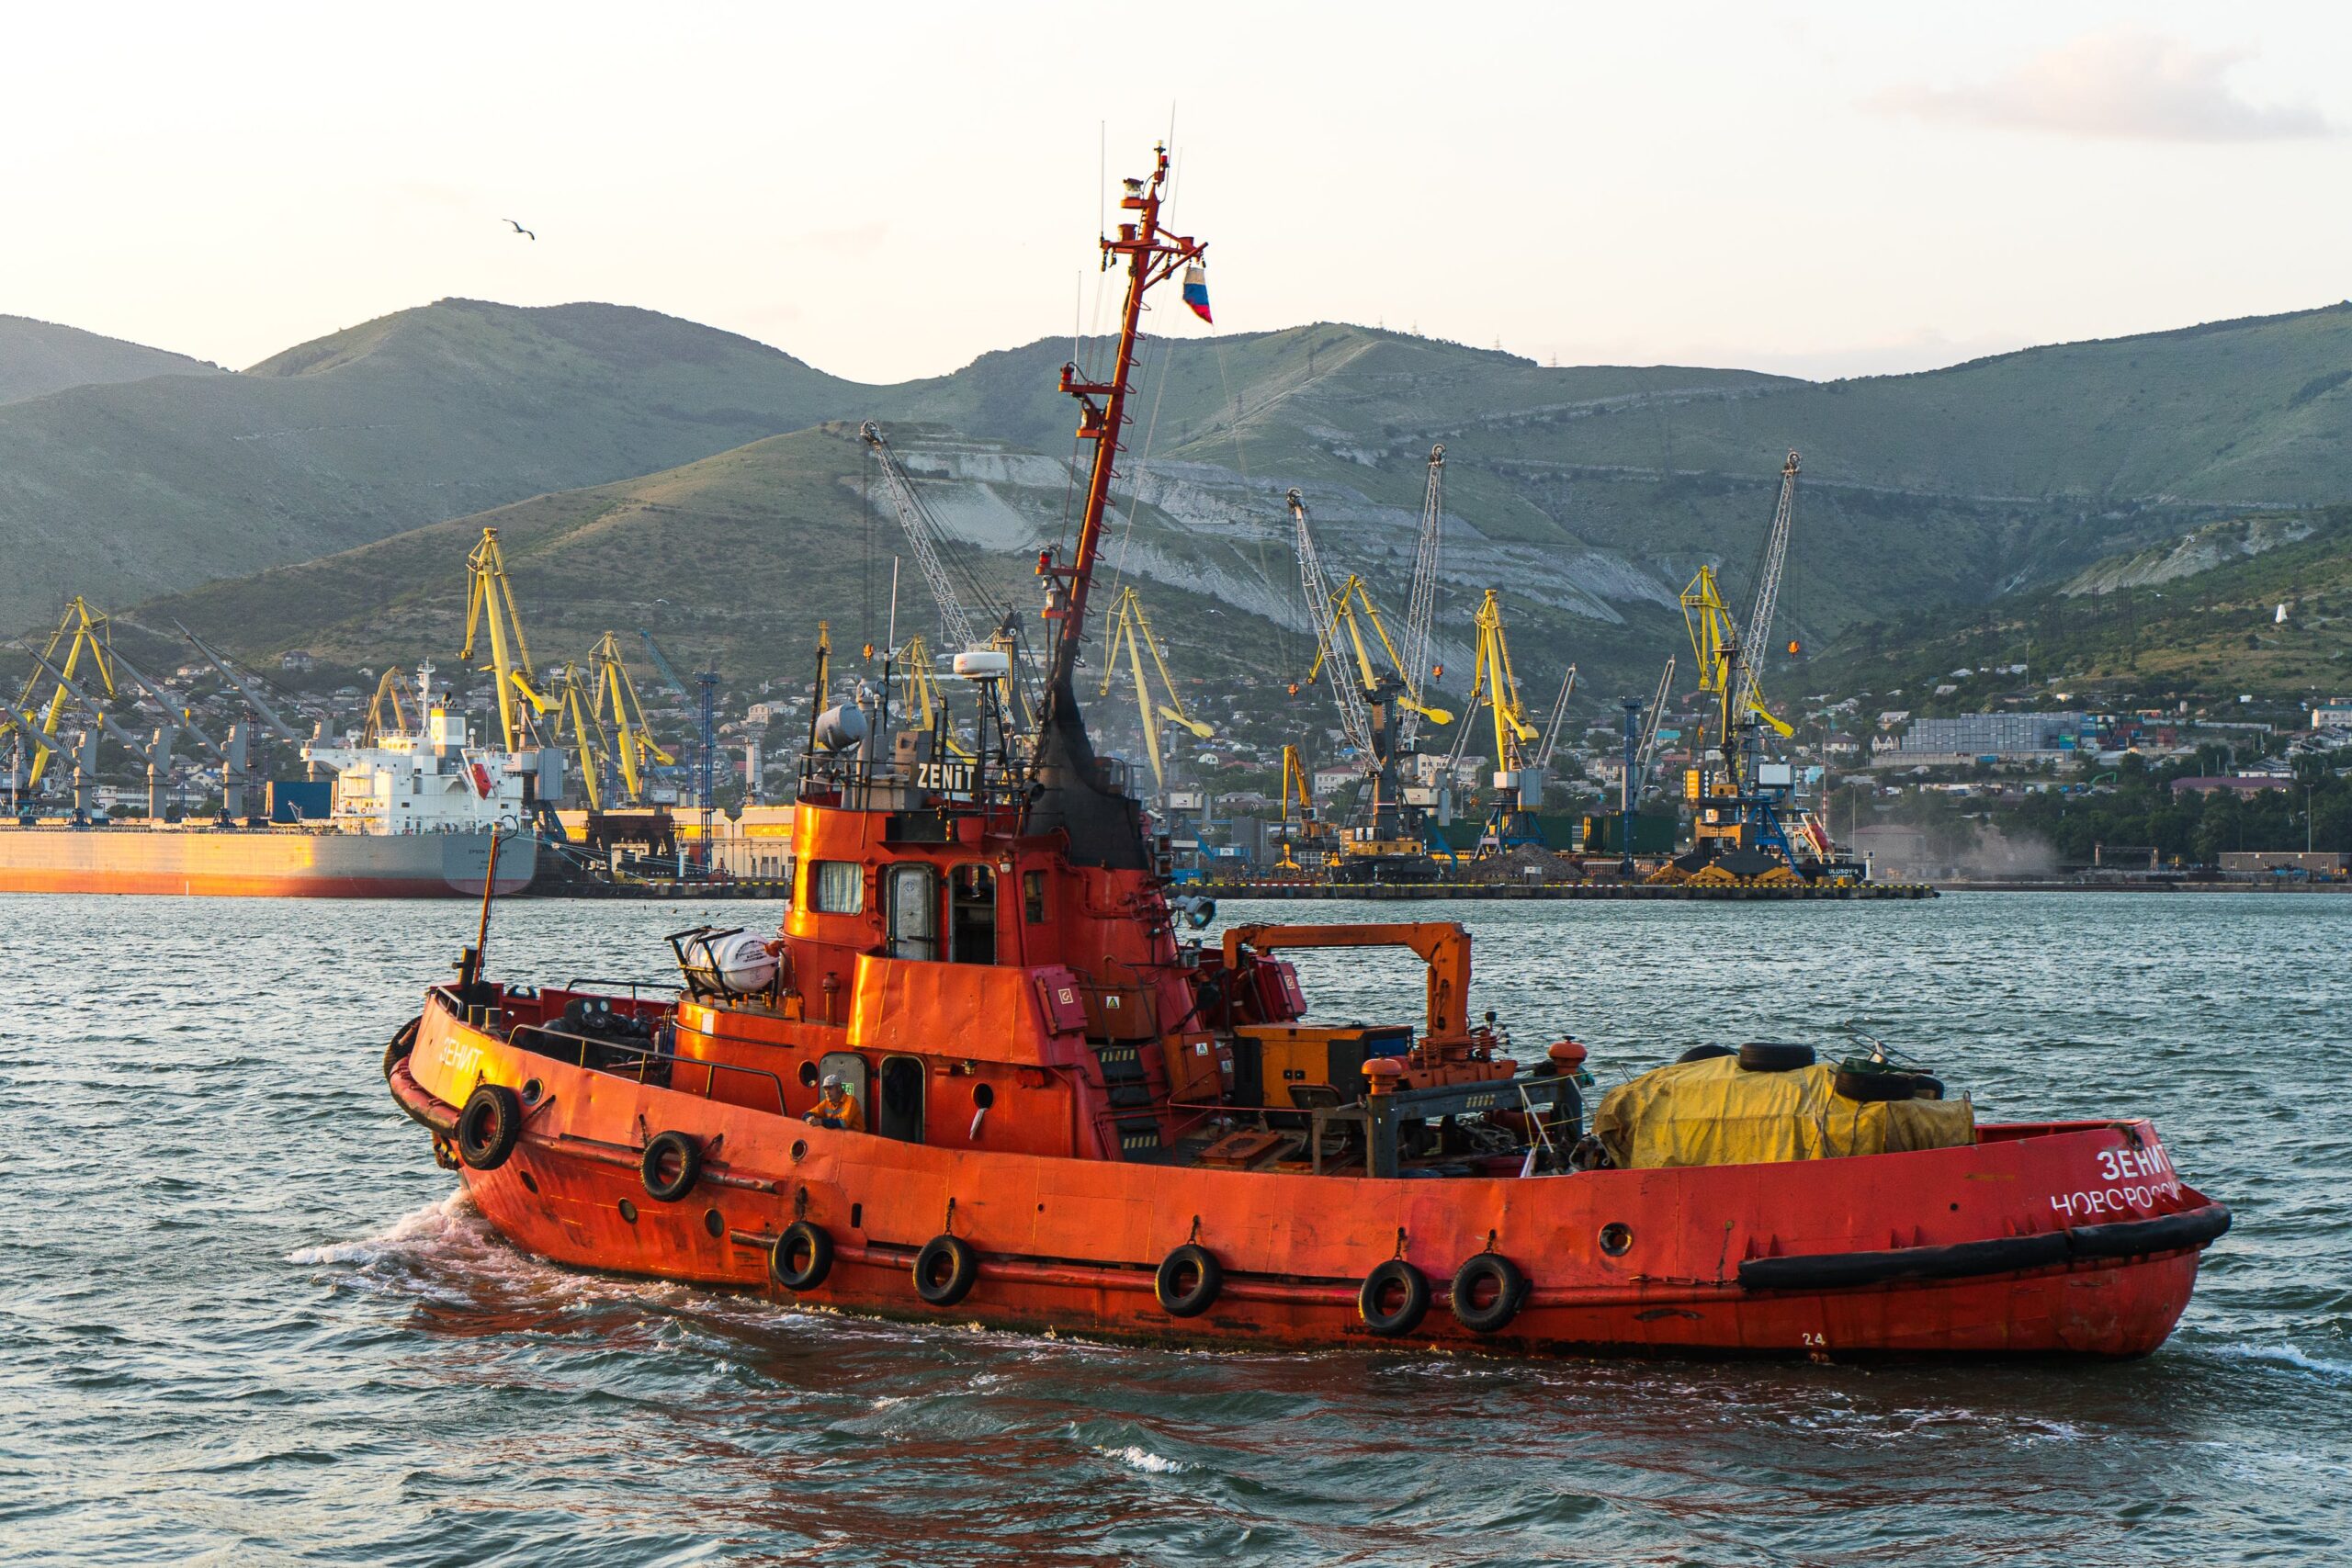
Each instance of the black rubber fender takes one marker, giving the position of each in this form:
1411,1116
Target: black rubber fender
1407,1315
489,1127
811,1247
2166,1233
1704,1053
403,1044
1509,1286
2001,1255
1176,1298
1771,1056
670,1167
945,1270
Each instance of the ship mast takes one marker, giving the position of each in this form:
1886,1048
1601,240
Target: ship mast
1153,257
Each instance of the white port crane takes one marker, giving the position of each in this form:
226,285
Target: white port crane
1355,715
1645,750
1421,612
924,537
1767,592
1559,712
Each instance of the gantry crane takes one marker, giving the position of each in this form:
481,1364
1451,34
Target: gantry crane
1131,633
80,630
490,611
1511,816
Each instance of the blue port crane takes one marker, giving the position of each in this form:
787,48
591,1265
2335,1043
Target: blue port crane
705,700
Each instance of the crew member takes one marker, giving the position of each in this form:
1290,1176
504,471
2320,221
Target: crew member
837,1107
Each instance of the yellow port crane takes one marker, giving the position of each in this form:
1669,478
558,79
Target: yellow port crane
80,630
926,700
386,703
572,697
1729,809
1510,818
617,703
1131,631
1296,786
1352,608
489,610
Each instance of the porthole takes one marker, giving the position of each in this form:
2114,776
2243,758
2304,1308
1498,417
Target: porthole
712,1222
808,1074
1616,1239
799,1148
628,1210
983,1096
531,1092
529,1185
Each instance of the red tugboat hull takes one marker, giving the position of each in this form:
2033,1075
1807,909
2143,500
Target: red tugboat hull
2026,1243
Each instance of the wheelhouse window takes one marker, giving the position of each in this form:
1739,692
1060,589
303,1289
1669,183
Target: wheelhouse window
836,886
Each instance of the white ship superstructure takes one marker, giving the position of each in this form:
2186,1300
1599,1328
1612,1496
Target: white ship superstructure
432,780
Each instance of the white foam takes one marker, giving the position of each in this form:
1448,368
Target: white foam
423,1227
2286,1356
1144,1459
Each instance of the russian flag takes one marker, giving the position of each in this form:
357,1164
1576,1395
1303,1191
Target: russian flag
1196,292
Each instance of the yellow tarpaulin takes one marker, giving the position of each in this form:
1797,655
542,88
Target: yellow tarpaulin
1716,1112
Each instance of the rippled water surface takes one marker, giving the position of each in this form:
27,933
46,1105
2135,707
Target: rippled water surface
244,1320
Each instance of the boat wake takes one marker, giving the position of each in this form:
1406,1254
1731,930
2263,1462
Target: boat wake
420,1230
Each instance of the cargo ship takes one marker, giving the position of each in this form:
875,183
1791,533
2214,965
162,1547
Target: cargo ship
989,1071
389,815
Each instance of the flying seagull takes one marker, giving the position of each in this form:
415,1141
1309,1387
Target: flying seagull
519,228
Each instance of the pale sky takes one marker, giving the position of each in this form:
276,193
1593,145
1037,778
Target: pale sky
886,191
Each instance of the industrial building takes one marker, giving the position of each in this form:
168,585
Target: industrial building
1997,734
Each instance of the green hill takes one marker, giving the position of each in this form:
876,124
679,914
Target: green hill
613,445
2196,617
41,358
123,492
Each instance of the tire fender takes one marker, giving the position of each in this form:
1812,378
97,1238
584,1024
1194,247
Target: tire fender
808,1243
670,1165
1199,1265
1399,1278
945,1270
489,1126
1509,1286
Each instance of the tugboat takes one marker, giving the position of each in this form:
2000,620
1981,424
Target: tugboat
988,1074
